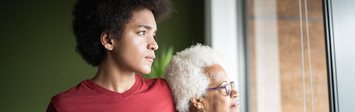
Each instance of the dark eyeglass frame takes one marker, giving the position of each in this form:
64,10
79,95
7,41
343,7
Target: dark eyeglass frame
226,87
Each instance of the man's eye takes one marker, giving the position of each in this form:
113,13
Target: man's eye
155,34
141,33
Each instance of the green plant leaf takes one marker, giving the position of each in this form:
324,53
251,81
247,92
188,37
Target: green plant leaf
163,55
169,55
156,67
153,74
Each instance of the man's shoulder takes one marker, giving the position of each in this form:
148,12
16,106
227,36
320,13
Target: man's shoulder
73,93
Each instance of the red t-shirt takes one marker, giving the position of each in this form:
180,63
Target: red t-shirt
146,95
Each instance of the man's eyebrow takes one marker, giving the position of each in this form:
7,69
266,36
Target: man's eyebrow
145,26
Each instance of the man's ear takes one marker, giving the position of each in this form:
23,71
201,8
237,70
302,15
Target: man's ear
107,40
197,102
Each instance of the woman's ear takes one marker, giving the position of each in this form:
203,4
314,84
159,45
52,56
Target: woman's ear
107,40
197,102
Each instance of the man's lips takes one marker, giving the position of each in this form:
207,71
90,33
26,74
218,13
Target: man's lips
150,58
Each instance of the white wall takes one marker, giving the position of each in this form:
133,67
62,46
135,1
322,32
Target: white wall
222,33
344,39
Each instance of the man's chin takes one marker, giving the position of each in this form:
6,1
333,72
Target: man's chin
145,72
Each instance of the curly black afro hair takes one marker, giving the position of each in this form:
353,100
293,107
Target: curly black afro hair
92,17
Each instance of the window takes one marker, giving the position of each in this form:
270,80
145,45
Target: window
288,71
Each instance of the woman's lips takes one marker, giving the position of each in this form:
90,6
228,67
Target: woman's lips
236,104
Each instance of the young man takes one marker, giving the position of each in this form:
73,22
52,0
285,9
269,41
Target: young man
118,36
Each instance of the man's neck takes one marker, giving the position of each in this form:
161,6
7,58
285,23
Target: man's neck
113,77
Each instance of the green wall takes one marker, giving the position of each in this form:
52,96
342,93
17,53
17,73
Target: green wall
37,53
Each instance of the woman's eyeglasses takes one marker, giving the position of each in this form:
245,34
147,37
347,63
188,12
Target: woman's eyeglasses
227,87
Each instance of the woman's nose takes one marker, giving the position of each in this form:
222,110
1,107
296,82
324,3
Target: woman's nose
234,94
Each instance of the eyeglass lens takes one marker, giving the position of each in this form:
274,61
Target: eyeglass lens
229,87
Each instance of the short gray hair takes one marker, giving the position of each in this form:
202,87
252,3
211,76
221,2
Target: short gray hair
185,74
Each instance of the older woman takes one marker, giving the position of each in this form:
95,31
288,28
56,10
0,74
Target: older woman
199,83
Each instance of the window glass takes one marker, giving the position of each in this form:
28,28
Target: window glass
287,56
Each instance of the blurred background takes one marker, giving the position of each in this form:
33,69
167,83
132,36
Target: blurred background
38,58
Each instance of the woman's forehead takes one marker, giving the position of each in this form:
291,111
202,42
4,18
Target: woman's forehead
216,74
